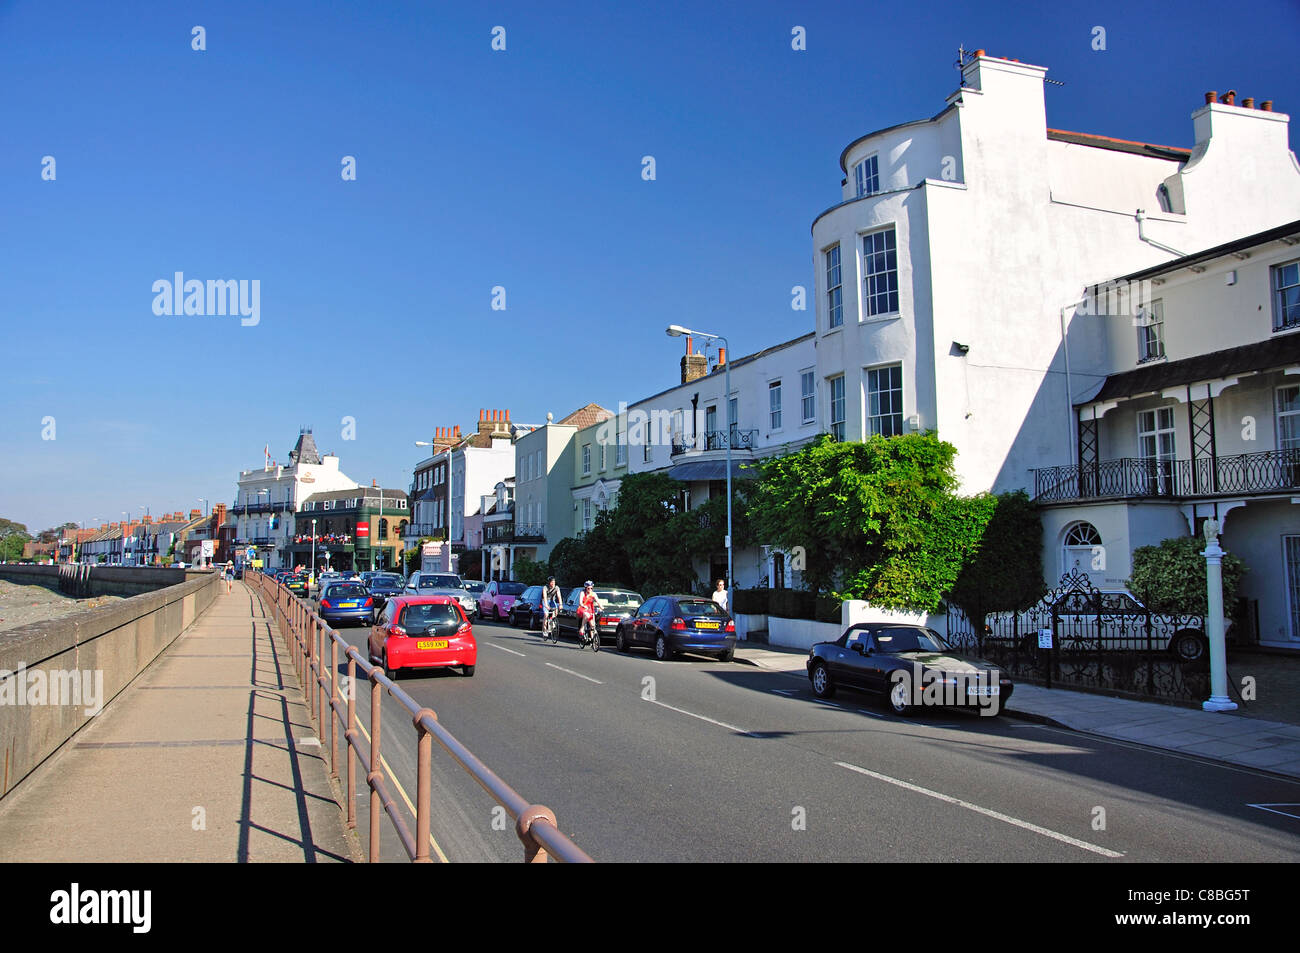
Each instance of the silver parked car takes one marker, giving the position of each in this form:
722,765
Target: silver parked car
441,584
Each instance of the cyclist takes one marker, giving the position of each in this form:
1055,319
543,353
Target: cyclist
588,606
550,605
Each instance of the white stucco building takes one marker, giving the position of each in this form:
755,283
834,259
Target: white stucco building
267,499
947,277
772,408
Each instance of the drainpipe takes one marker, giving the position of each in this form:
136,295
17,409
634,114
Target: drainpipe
1142,217
1073,428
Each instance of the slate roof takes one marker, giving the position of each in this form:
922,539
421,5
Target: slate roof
1262,356
304,450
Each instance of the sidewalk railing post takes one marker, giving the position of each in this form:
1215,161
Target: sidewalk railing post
423,785
351,737
376,765
334,698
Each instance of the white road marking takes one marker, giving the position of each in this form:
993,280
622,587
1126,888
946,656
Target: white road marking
309,742
683,711
783,691
1270,806
996,815
572,672
504,649
873,714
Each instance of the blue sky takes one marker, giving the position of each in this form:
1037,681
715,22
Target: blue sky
475,169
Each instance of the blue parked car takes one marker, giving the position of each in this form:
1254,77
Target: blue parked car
382,586
342,602
673,624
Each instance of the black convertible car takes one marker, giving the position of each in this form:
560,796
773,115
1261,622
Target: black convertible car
908,665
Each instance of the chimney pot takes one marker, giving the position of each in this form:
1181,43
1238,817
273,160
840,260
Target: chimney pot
1229,98
1248,102
507,413
979,53
1211,95
722,356
1266,105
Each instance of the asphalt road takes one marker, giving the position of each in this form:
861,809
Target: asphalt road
695,760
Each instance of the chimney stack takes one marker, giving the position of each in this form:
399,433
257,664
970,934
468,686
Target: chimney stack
1229,98
1266,105
722,356
1248,102
694,366
1211,96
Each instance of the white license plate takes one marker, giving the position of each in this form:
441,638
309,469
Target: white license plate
985,691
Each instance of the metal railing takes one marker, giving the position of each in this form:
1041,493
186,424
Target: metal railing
716,440
1266,471
310,638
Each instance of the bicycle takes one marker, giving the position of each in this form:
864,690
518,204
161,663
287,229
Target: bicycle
588,624
549,630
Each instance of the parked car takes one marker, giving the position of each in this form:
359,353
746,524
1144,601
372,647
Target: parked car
382,586
1123,626
441,584
496,600
295,583
474,587
674,624
344,602
899,662
423,632
617,605
527,610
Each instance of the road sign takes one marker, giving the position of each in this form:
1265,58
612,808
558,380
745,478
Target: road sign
251,553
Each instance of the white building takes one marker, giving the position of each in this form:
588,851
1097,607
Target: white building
947,277
1197,417
266,500
685,431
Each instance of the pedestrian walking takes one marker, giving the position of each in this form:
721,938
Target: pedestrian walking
720,595
230,576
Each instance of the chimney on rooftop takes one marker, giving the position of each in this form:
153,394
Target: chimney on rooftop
1266,105
1211,95
1229,98
1248,102
694,366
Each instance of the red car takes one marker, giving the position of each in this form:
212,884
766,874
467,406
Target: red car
423,632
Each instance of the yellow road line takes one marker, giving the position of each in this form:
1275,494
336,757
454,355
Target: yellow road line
402,792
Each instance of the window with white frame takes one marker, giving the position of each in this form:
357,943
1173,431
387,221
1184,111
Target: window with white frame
620,448
586,459
880,272
733,417
885,400
1287,410
867,175
1156,447
808,396
1151,332
603,448
676,433
834,288
645,442
774,405
586,515
837,407
1286,296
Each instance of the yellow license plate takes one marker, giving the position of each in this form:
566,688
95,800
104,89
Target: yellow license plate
347,605
707,625
432,644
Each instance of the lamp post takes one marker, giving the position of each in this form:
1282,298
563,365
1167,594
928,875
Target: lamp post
257,503
676,331
313,548
1218,700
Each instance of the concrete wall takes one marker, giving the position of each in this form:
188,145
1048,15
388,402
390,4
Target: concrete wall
104,580
104,648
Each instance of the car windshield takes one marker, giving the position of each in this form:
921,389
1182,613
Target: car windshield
910,639
475,586
510,588
385,580
699,607
442,581
417,618
346,590
617,598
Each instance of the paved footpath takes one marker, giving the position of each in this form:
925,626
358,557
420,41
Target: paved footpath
208,756
1219,736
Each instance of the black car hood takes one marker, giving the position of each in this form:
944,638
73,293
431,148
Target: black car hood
947,661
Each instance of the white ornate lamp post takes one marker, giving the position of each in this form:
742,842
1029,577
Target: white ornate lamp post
1219,700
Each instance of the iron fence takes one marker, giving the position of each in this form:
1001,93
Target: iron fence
311,640
1077,636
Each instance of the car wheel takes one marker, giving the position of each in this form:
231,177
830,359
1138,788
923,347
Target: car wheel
467,671
899,702
389,671
1188,645
500,617
620,641
822,685
728,655
663,652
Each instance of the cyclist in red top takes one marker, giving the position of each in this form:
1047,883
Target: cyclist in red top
588,606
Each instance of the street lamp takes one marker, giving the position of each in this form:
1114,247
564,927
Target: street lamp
257,504
676,331
313,548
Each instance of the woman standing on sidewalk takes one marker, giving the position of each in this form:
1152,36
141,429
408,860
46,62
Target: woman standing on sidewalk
229,576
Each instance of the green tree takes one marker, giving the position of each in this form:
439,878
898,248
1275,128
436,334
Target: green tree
529,571
12,537
876,520
1005,574
1170,578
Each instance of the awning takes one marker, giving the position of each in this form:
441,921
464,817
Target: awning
698,470
1261,356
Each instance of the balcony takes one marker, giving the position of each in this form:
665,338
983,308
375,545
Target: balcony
1268,471
718,440
245,509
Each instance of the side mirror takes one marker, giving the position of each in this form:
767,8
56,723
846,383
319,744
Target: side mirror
859,647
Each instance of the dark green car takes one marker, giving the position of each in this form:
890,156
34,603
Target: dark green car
296,584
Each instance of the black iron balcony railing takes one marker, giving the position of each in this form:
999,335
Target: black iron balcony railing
245,508
1267,471
718,440
530,532
415,530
